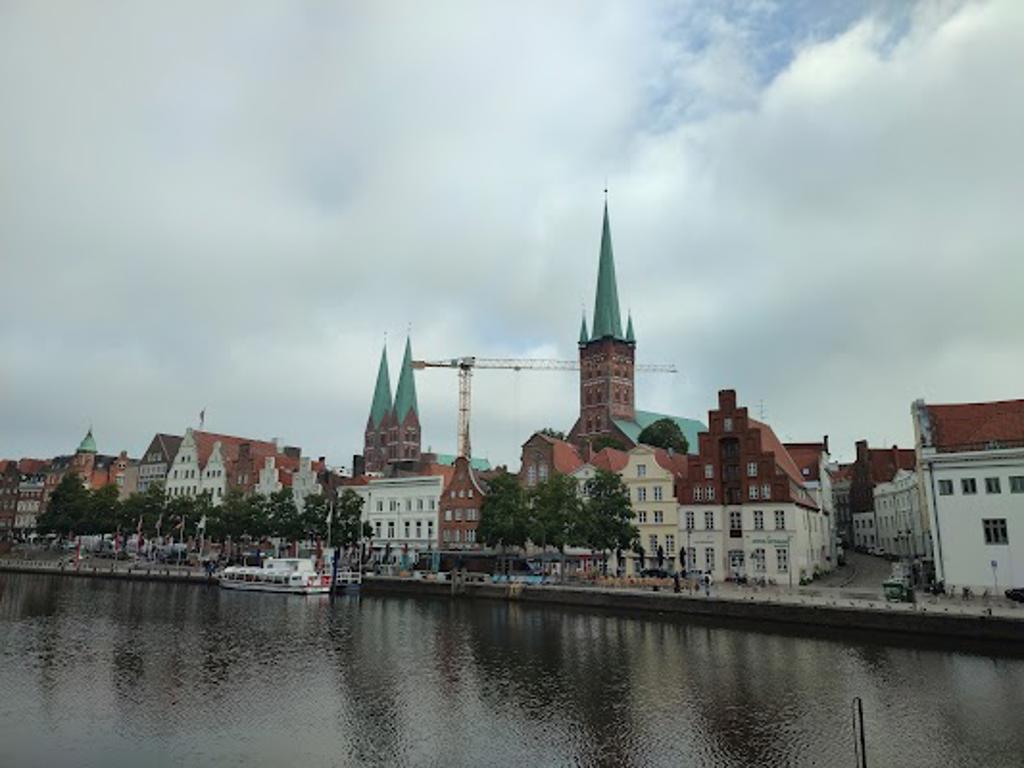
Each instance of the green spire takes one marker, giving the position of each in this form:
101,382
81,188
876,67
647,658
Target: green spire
88,444
584,336
607,321
382,392
405,394
629,329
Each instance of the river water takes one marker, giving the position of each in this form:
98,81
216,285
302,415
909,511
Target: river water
104,673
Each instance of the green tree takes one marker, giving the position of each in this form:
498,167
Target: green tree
555,513
102,511
609,515
285,520
348,528
315,509
180,513
66,508
606,441
555,433
148,506
664,433
504,516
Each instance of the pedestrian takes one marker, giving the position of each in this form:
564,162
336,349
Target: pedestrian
675,582
707,585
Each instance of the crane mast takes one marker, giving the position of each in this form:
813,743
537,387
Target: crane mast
465,366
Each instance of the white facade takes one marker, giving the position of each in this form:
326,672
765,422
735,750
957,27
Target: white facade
402,512
304,482
902,527
975,503
780,542
186,478
864,533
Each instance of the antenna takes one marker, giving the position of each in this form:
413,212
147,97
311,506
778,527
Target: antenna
760,409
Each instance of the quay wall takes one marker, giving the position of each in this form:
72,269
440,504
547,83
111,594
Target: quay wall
883,618
109,571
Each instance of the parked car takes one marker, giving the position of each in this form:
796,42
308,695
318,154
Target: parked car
1016,594
654,573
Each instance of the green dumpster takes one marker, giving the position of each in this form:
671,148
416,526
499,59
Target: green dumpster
897,591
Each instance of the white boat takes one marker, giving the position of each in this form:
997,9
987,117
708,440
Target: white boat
291,575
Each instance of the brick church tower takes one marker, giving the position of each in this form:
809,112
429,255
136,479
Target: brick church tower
393,428
606,360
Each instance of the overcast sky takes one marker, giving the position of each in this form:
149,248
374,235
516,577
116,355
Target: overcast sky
229,205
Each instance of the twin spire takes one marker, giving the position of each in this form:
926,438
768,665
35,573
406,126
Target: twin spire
607,318
405,394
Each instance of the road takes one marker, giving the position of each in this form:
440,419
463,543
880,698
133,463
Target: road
860,572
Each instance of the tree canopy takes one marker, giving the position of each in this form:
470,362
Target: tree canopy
504,515
664,433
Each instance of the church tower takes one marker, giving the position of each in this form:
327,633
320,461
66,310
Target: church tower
606,359
375,443
404,423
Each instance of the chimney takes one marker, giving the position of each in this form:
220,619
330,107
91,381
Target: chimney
862,451
825,441
727,400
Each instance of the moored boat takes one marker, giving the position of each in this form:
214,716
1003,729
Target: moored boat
291,575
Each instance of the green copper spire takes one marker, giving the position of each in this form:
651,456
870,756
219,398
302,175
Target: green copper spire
382,392
607,321
88,444
584,336
405,394
629,329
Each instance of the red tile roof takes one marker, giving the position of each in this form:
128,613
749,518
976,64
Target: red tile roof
886,462
842,472
609,460
770,442
229,445
807,457
563,455
974,426
675,463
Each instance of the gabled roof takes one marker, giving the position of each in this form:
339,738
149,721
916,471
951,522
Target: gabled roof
771,442
690,427
976,426
676,463
563,455
405,394
607,320
381,404
609,460
884,463
229,445
807,457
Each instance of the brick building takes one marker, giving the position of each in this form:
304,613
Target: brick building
459,507
871,467
10,479
393,435
542,455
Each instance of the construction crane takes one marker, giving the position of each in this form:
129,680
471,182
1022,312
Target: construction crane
465,366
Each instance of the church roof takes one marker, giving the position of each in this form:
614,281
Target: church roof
607,320
690,427
405,394
629,330
382,391
584,336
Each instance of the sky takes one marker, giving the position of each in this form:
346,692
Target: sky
231,206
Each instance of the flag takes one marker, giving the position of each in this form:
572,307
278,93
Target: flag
202,418
138,528
202,525
159,523
181,523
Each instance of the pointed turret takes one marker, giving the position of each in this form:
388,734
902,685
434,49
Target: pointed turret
629,329
584,336
88,444
382,392
405,394
607,320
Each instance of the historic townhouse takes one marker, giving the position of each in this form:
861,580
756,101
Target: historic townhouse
459,507
286,470
403,513
839,478
744,510
971,473
10,479
156,460
543,455
208,463
607,360
903,527
651,475
96,470
872,467
814,462
30,494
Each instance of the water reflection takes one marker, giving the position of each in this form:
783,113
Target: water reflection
110,674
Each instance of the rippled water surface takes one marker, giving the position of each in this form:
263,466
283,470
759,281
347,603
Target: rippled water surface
99,673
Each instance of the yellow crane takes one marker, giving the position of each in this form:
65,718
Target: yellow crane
465,366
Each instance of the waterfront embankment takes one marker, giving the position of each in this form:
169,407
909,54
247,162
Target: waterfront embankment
110,569
939,619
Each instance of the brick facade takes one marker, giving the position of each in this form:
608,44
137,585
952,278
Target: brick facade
459,508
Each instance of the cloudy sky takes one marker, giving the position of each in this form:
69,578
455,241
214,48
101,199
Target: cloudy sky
229,206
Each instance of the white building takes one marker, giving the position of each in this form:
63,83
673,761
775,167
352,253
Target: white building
971,465
864,533
814,462
402,511
205,463
902,527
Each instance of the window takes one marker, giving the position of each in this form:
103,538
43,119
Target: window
766,491
752,491
458,515
968,486
462,493
391,529
709,558
759,560
377,526
531,475
641,494
780,520
781,559
407,529
1016,483
419,529
543,472
458,535
689,520
453,493
751,469
641,517
380,506
447,515
670,545
727,425
735,521
432,503
408,505
709,471
698,493
471,535
659,516
709,521
446,535
641,470
654,543
709,493
992,485
657,493
758,520
995,531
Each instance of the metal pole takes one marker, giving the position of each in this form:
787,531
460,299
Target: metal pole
859,745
